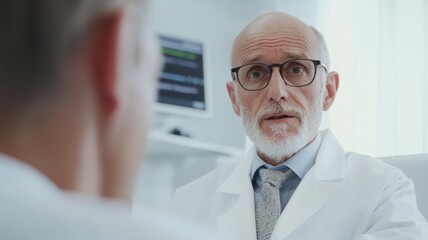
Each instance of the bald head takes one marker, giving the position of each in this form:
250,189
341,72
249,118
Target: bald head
288,34
274,70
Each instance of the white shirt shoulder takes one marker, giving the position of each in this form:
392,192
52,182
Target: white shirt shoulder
32,207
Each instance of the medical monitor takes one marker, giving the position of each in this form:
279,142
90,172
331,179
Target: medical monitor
182,85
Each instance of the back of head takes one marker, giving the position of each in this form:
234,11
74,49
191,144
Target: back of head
36,39
70,94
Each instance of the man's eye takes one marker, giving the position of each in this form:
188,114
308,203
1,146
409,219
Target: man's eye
255,74
297,70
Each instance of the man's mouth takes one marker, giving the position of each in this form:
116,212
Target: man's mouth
278,117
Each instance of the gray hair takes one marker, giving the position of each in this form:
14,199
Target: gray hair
325,56
36,38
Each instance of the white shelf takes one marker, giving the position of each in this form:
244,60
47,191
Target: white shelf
163,144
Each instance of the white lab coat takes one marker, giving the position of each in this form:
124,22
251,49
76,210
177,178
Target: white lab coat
343,196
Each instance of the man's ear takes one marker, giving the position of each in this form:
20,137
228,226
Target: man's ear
104,48
332,85
231,90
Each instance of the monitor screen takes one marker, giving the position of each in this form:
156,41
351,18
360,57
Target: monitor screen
182,83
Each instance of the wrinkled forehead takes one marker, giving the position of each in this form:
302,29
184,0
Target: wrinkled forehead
275,40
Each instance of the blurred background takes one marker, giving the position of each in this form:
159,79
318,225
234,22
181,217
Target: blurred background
379,48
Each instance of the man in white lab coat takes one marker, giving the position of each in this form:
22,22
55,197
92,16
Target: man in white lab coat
77,81
296,182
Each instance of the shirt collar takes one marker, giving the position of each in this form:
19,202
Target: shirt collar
26,179
299,163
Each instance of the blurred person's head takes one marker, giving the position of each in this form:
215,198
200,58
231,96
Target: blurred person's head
281,84
77,80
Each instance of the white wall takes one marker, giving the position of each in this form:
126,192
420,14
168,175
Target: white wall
379,48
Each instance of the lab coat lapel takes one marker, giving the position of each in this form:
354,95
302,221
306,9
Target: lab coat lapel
239,221
316,188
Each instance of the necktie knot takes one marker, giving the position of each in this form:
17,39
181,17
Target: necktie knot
274,177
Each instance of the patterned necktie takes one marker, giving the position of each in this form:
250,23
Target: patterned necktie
269,209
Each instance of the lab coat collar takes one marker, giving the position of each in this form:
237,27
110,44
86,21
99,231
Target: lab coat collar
316,188
329,163
239,177
239,221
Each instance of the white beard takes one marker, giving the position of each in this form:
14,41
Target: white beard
283,143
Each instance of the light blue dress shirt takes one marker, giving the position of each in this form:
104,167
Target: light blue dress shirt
300,164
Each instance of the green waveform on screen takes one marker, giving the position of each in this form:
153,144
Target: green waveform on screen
179,53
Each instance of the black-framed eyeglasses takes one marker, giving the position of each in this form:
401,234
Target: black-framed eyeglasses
295,73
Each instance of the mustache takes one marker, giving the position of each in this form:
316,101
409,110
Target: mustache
275,107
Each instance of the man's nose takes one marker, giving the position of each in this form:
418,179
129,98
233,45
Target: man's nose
277,89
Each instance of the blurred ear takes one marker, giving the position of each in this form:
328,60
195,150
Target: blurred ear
104,48
332,85
231,90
